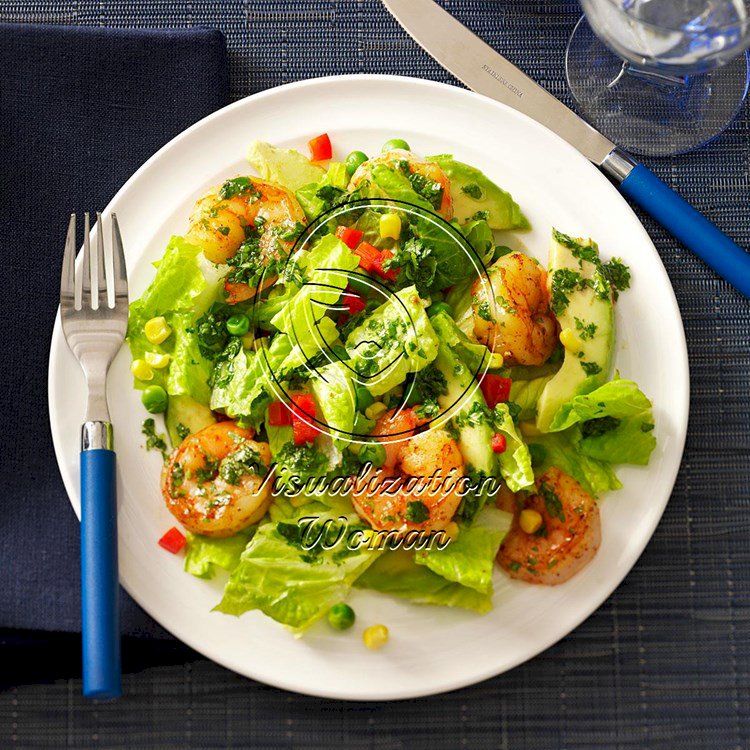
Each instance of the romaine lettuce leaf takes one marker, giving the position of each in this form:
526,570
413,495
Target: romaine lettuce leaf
311,195
247,393
525,393
284,166
203,553
388,183
479,235
616,423
395,573
335,396
515,460
469,559
290,583
476,356
179,292
394,340
562,449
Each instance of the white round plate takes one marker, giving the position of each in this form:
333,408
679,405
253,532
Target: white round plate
431,649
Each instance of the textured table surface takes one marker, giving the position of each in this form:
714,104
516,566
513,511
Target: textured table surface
665,662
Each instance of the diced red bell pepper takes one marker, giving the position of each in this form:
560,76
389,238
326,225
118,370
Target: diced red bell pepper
303,409
173,541
350,236
368,254
496,389
279,414
320,148
354,303
499,443
377,265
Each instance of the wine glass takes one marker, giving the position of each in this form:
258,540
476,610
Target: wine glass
660,76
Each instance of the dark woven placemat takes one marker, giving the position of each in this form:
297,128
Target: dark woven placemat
665,662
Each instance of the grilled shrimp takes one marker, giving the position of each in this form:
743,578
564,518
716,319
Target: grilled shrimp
407,162
213,483
222,220
388,500
514,318
566,542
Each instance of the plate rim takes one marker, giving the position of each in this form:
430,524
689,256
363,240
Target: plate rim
280,679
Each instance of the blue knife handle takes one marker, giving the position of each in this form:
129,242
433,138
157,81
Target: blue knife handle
694,230
99,585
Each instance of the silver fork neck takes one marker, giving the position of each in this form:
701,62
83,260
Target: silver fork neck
96,435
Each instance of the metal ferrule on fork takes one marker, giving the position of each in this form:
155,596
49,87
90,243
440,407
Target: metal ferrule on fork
96,435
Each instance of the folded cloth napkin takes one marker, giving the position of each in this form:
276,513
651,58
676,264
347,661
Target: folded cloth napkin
80,110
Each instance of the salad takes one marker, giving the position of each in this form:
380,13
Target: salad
361,388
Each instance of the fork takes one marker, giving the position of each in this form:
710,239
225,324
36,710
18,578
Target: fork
94,314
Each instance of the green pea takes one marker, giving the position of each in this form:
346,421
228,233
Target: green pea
341,616
364,398
395,143
438,307
373,453
154,398
354,160
238,325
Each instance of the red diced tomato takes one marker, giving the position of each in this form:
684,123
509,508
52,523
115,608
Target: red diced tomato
499,443
279,414
173,541
496,389
303,412
368,254
349,236
320,148
377,265
354,303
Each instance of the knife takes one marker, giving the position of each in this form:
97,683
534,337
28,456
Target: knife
487,72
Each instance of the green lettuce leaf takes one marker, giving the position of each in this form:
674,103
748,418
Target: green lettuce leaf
204,553
294,585
388,183
525,393
179,292
480,237
312,195
515,460
476,356
284,166
247,393
335,396
469,560
396,339
395,573
616,423
562,449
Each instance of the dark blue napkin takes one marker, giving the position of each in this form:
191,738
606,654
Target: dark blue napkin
80,110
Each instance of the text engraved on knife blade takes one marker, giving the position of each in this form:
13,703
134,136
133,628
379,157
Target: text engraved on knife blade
504,81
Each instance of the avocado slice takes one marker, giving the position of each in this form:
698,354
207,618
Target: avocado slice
473,192
581,299
186,411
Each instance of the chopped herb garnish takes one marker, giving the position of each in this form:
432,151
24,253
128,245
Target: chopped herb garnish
182,431
618,275
154,441
417,512
238,186
599,426
246,460
586,331
472,190
178,474
591,368
552,502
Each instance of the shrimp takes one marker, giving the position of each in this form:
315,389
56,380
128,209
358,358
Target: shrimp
224,218
568,539
514,318
388,501
214,483
410,164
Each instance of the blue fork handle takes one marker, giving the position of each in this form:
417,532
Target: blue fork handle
99,584
693,229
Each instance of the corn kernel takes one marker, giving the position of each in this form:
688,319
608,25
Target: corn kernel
530,520
141,369
156,360
248,340
375,410
452,531
529,429
390,226
570,340
376,636
157,330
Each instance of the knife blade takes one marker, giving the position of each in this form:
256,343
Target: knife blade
482,69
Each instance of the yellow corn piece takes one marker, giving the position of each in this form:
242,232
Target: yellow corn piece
157,330
530,520
141,369
156,360
376,636
373,411
570,340
390,226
